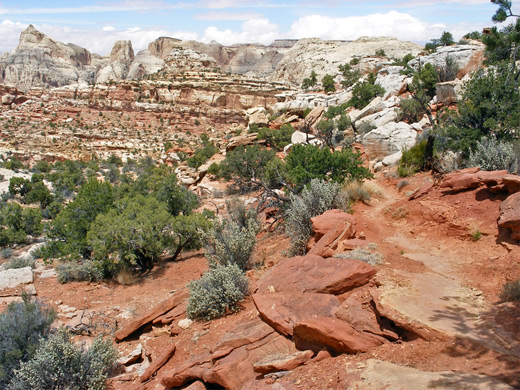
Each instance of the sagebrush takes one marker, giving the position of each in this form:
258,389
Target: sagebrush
318,197
59,364
217,292
22,326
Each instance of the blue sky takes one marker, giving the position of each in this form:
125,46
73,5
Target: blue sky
97,24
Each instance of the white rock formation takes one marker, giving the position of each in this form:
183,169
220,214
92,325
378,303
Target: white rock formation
388,139
467,57
324,57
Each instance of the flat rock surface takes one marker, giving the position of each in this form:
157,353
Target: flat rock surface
283,310
379,375
316,274
13,278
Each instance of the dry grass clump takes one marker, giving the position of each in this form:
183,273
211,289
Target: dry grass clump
364,192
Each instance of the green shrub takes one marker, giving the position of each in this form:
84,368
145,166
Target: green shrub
202,155
59,364
328,83
85,271
510,291
307,162
276,138
411,110
217,292
135,232
492,155
490,106
19,222
20,262
233,240
246,164
311,81
350,76
449,71
364,92
413,159
68,231
318,197
22,326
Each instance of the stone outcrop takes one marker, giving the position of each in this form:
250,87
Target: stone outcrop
41,61
324,57
510,215
316,274
389,139
470,178
121,57
468,57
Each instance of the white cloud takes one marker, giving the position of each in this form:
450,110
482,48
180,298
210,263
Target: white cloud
259,30
10,33
396,24
109,28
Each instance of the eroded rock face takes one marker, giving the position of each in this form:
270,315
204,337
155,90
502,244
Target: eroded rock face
41,61
229,363
324,57
468,57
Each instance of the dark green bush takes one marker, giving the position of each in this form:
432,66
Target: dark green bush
307,162
328,83
22,326
246,164
490,106
413,159
59,364
411,110
217,292
276,138
510,291
134,232
364,92
203,154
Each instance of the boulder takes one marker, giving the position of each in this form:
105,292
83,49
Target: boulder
327,221
282,362
359,310
316,274
446,94
512,183
301,138
151,315
510,215
259,118
335,334
393,159
472,178
283,310
241,140
392,81
378,374
157,363
389,139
